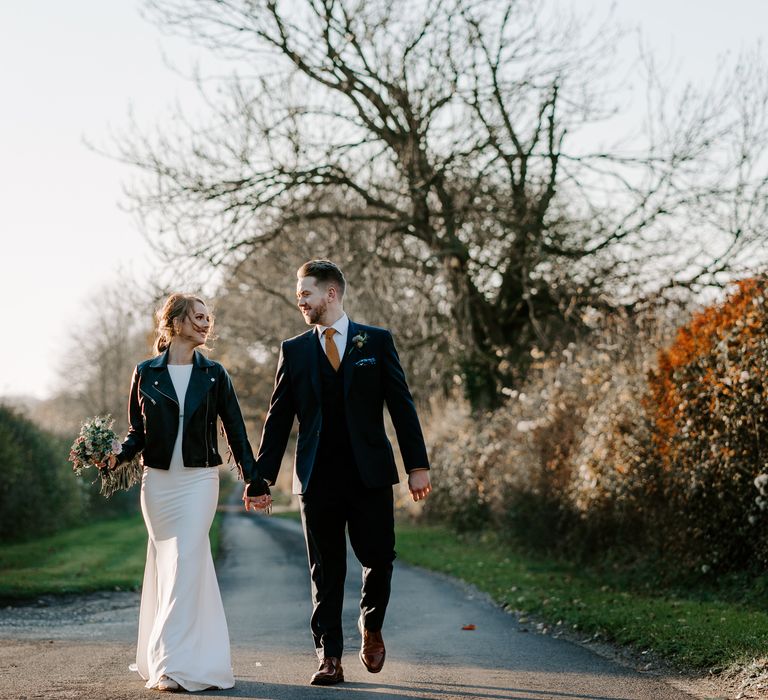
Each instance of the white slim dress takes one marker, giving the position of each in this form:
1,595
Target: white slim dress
182,628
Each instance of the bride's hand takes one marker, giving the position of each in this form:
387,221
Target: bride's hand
256,502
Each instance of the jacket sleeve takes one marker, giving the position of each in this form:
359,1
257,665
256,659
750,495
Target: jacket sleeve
401,408
277,426
135,439
231,416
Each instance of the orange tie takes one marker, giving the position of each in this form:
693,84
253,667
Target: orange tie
331,349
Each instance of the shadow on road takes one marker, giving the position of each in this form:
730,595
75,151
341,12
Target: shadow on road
443,691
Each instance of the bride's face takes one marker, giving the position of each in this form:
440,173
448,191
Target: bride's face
195,326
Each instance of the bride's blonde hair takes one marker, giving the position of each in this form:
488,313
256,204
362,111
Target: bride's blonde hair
176,306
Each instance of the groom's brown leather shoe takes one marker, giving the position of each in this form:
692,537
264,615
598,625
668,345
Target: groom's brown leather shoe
329,673
372,651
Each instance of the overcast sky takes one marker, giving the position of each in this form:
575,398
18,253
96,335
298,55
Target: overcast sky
71,71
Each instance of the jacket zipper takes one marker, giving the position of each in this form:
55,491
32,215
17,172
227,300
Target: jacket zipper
154,403
182,422
206,427
168,397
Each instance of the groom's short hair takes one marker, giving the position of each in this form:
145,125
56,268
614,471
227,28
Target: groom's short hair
324,271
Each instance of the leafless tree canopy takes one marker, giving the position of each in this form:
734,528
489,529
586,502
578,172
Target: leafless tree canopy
441,147
96,363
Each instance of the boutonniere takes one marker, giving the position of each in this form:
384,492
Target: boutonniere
359,341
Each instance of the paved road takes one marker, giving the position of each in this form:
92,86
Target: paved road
81,648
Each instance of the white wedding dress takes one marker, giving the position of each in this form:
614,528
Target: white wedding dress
182,628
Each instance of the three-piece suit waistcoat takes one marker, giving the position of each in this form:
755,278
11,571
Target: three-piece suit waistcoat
334,453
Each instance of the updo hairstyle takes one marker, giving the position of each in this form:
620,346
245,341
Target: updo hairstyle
176,306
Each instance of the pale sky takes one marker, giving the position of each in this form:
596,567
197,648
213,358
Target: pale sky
71,71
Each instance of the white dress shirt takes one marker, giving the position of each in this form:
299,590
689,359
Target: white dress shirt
340,337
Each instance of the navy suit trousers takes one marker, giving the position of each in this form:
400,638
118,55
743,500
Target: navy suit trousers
329,507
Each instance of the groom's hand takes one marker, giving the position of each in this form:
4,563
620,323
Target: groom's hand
419,484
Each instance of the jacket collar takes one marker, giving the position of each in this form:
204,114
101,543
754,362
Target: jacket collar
198,360
200,382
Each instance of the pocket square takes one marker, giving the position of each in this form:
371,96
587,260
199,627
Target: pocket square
365,361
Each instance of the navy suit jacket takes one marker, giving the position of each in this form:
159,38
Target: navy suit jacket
372,377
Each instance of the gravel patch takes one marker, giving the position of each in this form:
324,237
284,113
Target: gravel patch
109,615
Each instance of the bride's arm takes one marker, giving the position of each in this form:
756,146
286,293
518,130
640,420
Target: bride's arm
135,439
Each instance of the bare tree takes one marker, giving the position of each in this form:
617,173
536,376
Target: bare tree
95,368
444,138
256,306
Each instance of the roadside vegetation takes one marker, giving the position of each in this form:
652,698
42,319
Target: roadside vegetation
627,447
39,494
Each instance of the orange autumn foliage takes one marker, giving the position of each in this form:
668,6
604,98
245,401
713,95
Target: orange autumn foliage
739,320
707,406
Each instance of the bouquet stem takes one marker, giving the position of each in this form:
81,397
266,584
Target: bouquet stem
120,478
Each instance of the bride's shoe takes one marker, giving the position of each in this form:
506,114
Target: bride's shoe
167,685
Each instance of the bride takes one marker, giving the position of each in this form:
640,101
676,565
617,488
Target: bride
174,402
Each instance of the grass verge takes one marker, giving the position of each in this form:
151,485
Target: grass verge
710,626
102,555
105,555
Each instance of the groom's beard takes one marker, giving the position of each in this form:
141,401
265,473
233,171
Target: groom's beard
315,315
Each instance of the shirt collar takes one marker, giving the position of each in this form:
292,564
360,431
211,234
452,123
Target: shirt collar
341,327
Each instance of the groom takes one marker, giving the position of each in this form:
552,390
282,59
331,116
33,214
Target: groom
335,379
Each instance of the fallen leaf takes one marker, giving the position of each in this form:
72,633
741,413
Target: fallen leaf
469,627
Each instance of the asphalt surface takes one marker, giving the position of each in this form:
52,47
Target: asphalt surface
81,647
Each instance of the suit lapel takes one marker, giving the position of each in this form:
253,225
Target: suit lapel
346,362
310,353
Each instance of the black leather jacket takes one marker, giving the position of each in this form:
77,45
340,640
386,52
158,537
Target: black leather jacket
153,413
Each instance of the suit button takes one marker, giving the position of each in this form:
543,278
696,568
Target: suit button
318,433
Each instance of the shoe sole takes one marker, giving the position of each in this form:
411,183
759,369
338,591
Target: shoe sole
324,681
369,668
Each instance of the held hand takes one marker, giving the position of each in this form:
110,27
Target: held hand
112,461
419,484
256,503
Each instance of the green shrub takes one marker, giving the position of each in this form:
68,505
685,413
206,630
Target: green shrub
38,492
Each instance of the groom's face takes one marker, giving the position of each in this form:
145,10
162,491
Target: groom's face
312,299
